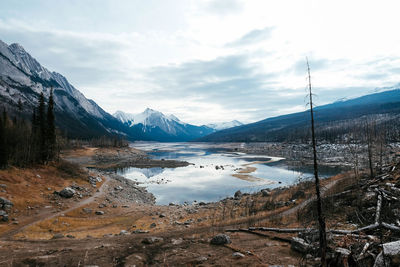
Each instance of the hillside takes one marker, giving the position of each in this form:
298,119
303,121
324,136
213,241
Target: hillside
333,120
23,78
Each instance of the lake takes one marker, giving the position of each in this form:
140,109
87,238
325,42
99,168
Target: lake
214,173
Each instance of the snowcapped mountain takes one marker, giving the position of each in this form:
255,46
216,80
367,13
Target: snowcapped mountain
23,78
154,125
224,125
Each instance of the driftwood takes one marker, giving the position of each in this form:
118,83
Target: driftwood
331,231
378,208
283,239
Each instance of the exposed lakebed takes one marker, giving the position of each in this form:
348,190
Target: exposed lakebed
215,172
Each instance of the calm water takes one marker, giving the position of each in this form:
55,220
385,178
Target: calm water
202,181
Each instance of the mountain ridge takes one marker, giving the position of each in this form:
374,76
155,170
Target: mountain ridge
23,78
296,125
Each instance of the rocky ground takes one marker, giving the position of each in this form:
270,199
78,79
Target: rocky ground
74,217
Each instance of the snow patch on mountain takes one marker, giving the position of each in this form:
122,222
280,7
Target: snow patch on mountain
224,125
149,118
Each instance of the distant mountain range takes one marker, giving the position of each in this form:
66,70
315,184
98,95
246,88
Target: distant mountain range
154,125
23,78
334,119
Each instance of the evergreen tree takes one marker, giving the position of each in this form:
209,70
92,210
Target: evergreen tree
51,128
3,148
41,119
19,105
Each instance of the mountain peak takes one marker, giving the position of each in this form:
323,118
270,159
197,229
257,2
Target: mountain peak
17,47
224,125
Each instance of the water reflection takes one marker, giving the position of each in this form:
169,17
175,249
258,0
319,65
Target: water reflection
210,178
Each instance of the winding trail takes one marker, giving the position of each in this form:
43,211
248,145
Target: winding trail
46,215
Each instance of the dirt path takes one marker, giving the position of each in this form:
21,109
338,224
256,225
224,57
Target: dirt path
308,201
45,215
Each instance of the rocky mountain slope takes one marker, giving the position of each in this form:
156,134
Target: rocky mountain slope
23,78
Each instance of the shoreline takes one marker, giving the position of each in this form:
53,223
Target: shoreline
130,215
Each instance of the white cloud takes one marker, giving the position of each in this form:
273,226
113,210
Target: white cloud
211,60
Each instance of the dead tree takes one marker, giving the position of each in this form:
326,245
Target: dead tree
369,131
321,219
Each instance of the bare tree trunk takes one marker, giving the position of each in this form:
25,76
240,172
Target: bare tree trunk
369,147
321,219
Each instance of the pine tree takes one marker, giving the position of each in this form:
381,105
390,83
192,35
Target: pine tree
41,119
19,105
3,148
51,128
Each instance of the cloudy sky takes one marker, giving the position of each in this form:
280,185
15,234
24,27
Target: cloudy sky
214,60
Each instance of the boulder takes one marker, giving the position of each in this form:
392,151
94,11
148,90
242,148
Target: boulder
392,252
124,232
140,231
238,194
152,240
5,202
238,255
67,192
300,245
57,236
201,259
99,212
87,210
176,241
221,239
265,193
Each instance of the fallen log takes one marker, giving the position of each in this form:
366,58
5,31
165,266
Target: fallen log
283,239
378,208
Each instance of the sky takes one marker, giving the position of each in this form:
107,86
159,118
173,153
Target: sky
212,60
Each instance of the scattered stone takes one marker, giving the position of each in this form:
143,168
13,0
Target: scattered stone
115,206
5,218
265,193
238,255
57,236
300,245
67,192
99,212
87,210
187,222
118,188
152,240
177,241
70,236
140,231
238,194
201,259
153,225
5,203
162,215
221,239
124,232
